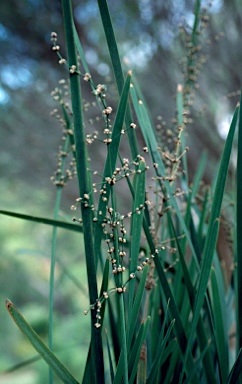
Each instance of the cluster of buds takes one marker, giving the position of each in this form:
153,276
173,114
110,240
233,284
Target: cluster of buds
72,69
54,41
54,37
121,289
85,202
147,260
98,305
56,47
107,111
99,90
117,269
87,77
62,175
90,138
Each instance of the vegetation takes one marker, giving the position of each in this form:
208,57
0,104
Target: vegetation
163,299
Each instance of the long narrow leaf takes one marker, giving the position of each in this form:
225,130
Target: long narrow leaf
114,330
88,373
213,227
117,69
84,188
157,361
111,159
39,346
135,353
203,341
178,327
196,365
134,356
222,346
136,307
111,370
182,136
142,365
236,371
44,220
104,288
137,218
239,232
136,227
111,42
151,143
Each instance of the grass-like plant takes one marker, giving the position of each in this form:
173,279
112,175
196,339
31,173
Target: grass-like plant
160,307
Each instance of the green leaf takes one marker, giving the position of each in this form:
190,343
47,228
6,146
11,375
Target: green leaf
136,307
136,227
198,175
44,220
85,187
171,348
203,341
80,50
137,218
111,159
85,65
88,376
112,44
114,329
157,360
111,370
236,371
212,232
196,365
104,287
142,365
182,136
202,221
117,69
39,346
238,274
151,142
135,353
175,314
220,339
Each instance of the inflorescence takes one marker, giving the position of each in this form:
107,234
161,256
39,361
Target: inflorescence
112,223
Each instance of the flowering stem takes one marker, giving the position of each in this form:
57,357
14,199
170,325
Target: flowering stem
97,369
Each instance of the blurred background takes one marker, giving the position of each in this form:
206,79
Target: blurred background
151,42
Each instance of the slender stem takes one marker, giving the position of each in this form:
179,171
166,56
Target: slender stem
238,236
121,304
84,186
81,152
52,276
117,68
123,338
53,259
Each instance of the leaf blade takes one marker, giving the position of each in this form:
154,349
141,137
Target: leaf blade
39,346
213,227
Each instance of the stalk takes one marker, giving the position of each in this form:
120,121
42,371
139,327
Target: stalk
121,304
123,339
117,69
52,276
238,236
84,187
53,259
